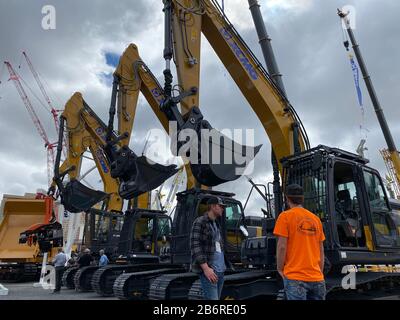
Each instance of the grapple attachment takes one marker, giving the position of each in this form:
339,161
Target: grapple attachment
46,235
76,197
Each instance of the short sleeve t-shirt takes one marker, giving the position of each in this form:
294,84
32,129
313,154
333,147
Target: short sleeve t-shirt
103,260
304,234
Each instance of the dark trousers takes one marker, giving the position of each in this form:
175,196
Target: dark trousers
59,274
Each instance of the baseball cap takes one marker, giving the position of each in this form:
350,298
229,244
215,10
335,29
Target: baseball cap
216,200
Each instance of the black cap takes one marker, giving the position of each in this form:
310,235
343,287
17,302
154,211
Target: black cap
216,200
294,190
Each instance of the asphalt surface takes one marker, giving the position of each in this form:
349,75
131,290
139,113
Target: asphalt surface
26,291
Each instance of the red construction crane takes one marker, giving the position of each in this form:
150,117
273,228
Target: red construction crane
49,146
53,110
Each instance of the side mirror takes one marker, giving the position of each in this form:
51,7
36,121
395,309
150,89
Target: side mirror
244,231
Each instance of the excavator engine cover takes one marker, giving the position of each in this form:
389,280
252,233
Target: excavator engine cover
77,197
146,177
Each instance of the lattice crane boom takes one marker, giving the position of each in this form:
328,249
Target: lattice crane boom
54,111
39,127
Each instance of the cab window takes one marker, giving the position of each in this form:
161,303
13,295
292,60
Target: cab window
386,232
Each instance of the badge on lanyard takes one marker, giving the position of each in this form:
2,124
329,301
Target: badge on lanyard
217,246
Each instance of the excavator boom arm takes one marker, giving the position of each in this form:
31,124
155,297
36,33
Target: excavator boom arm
267,101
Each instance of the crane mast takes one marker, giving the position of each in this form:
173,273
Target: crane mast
39,127
54,111
391,146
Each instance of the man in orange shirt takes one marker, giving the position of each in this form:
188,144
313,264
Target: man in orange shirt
300,250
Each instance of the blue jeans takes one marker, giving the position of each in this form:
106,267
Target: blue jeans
212,291
301,290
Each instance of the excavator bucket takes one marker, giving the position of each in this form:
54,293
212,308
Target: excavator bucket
147,176
214,158
212,174
77,197
221,159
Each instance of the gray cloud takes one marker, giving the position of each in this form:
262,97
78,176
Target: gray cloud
307,43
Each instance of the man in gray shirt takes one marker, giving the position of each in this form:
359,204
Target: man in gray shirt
59,262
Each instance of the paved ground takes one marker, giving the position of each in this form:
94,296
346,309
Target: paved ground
26,291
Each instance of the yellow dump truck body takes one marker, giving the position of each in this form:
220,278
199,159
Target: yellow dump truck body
19,213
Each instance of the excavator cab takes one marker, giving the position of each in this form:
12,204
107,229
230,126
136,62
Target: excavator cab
192,204
395,205
152,233
102,231
348,218
350,200
145,236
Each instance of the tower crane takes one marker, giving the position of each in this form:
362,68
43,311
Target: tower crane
39,127
53,111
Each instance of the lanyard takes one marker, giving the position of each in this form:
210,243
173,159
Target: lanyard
217,234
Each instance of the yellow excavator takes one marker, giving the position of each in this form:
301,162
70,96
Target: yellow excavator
76,197
80,141
113,160
131,78
30,227
104,224
340,188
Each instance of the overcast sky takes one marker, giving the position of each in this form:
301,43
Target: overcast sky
307,39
